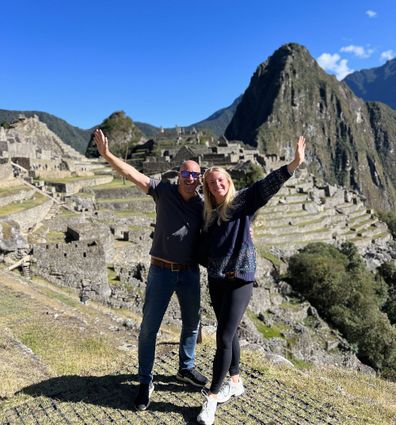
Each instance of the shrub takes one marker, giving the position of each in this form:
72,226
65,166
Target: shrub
387,271
390,219
338,284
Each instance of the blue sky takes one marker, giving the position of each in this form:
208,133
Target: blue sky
171,62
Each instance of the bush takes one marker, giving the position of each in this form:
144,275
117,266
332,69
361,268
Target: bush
388,272
390,219
338,284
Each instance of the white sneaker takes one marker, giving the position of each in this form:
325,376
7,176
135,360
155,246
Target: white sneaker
208,411
230,389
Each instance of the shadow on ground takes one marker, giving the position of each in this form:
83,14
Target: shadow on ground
113,391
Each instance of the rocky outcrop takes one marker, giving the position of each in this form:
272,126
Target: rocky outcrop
288,95
122,133
11,238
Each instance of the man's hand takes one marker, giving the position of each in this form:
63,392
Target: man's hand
101,142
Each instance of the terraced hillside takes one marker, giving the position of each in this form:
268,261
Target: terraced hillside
62,362
304,212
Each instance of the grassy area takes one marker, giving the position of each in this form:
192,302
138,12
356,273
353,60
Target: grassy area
124,199
112,275
116,183
70,179
72,345
269,256
67,350
129,213
64,212
6,191
59,334
13,208
265,331
366,398
54,236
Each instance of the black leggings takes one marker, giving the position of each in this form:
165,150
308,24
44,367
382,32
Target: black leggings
230,299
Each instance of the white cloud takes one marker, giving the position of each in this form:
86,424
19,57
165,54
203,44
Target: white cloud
358,51
335,64
387,55
371,13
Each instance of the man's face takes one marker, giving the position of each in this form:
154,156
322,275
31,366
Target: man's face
189,178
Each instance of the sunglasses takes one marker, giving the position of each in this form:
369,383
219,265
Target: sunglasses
186,174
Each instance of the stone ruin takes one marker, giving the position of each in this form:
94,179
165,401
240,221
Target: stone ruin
29,143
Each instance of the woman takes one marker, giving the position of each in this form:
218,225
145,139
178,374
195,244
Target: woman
231,264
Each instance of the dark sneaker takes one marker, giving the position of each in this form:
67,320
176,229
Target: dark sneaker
192,376
142,400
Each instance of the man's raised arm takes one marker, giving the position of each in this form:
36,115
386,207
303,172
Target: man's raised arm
126,170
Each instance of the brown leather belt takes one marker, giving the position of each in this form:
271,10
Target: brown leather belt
174,267
230,275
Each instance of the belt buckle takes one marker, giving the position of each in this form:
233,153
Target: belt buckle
175,267
230,275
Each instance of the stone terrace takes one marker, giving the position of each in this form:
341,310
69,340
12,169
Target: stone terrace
301,213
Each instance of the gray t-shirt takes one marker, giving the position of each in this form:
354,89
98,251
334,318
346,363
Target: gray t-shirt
178,223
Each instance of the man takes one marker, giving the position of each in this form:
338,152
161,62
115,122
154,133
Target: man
172,269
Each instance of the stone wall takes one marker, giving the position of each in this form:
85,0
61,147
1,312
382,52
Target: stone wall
76,186
6,172
29,217
79,264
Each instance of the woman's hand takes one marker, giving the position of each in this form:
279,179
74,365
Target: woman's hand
299,156
101,142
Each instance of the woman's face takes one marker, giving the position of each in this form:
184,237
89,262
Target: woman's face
218,185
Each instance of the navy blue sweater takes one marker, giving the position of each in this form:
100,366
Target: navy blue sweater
229,244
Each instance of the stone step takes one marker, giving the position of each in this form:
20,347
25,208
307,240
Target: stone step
302,227
363,223
294,237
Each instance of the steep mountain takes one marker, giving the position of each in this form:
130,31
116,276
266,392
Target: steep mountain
375,84
349,142
73,136
122,133
218,122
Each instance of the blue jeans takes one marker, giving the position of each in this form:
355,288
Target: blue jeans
161,284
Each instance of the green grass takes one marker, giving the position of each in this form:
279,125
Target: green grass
63,298
16,207
270,257
131,213
54,236
65,350
266,331
67,213
70,179
124,199
114,184
112,276
12,190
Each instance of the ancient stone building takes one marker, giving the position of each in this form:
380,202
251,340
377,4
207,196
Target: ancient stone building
79,264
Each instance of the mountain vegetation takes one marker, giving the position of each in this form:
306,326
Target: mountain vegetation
122,133
358,303
350,142
375,84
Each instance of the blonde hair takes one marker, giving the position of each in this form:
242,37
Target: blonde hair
210,207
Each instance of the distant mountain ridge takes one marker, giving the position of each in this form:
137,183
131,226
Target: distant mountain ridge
79,138
375,84
218,121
